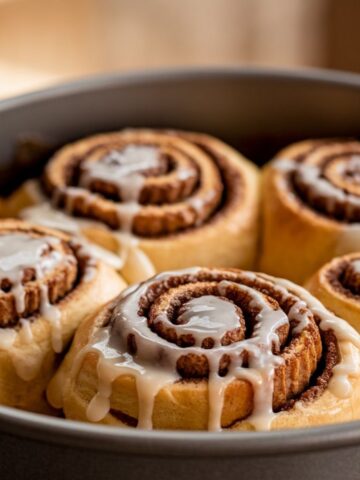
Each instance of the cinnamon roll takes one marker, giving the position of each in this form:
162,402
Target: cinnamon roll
337,286
213,349
311,207
48,285
177,198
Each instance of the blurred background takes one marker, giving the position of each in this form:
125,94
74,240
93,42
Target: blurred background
47,41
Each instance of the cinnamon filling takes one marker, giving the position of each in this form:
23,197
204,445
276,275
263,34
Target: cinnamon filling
147,183
37,270
327,179
320,379
21,289
212,324
344,276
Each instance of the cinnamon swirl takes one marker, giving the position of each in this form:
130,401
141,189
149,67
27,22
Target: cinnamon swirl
46,282
213,349
311,207
177,198
337,285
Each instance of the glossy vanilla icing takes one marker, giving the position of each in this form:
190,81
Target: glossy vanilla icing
18,252
154,366
46,214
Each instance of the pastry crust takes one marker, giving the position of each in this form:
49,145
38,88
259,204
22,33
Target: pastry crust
185,404
220,229
336,285
27,364
297,237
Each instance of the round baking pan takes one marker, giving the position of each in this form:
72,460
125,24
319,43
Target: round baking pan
257,111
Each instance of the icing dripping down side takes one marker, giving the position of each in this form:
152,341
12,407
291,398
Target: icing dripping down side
129,254
46,215
154,365
348,340
125,169
19,252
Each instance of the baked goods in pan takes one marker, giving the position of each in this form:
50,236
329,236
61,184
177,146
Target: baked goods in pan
177,198
311,207
203,348
48,285
337,285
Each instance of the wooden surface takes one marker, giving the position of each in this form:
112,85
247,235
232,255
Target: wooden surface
45,41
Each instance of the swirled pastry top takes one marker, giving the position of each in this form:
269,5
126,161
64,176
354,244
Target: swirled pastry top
267,336
38,267
150,183
324,176
343,274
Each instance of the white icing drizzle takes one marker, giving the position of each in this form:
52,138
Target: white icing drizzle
19,251
284,165
44,214
262,362
311,175
156,358
122,168
298,314
198,202
128,251
348,340
111,364
207,316
53,316
216,393
349,367
352,165
126,167
47,216
348,236
355,266
343,330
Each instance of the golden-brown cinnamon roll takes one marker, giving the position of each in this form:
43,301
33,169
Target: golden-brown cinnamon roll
211,349
48,285
337,286
311,207
179,198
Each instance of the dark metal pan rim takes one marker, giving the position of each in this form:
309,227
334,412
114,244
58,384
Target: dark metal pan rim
139,77
132,441
98,437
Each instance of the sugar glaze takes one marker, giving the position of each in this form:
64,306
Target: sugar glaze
19,252
45,213
114,360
